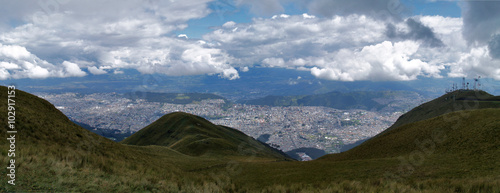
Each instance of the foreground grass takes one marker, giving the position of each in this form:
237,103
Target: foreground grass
158,169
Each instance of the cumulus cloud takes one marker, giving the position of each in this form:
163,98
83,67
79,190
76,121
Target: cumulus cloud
117,34
17,62
294,38
353,47
475,63
345,48
348,41
72,69
96,71
384,61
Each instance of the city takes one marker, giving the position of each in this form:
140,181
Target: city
285,128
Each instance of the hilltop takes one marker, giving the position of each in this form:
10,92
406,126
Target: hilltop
450,102
463,122
194,135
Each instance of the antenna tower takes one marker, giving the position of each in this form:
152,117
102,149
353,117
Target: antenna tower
477,84
463,83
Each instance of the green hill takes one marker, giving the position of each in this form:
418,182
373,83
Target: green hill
55,154
455,101
453,152
193,135
471,135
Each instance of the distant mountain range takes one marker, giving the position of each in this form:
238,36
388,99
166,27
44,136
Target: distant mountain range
447,151
366,100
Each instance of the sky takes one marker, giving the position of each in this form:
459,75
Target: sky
356,40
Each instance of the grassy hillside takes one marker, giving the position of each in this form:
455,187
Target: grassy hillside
467,133
193,135
433,155
455,101
55,155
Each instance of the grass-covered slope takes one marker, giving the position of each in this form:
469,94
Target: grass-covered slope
455,101
459,122
55,155
469,135
195,136
436,155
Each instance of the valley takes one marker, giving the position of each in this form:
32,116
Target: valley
289,127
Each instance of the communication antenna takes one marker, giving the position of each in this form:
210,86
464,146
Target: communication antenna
463,83
476,83
479,83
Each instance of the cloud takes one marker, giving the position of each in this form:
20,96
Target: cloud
117,34
416,31
481,20
475,63
244,69
96,71
384,62
494,46
349,40
17,62
294,38
380,9
72,69
346,48
353,47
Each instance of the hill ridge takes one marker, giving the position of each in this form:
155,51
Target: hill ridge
196,136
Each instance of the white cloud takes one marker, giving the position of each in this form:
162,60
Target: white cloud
96,71
118,34
475,63
38,72
384,61
295,38
9,66
17,62
349,48
14,52
4,74
72,69
244,69
350,42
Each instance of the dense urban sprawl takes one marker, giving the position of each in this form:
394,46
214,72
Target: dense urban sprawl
285,128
